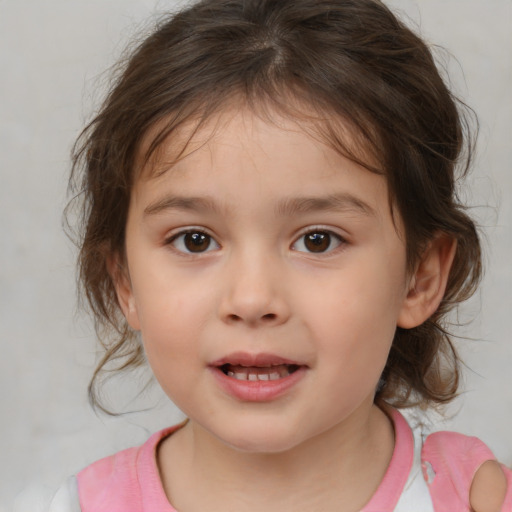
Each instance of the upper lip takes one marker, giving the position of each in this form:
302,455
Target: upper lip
254,360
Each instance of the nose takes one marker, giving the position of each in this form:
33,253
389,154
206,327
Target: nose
254,293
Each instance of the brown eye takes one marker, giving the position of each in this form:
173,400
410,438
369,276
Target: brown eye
317,242
194,242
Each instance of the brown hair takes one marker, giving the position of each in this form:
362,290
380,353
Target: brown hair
349,60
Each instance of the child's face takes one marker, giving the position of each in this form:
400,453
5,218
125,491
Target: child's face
267,278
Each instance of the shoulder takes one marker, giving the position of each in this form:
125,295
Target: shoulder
111,484
464,471
66,498
123,481
38,496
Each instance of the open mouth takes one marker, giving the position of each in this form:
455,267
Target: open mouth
261,377
258,373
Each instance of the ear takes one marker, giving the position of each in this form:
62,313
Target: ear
119,274
428,283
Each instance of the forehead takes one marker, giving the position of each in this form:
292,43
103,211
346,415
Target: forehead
238,151
176,136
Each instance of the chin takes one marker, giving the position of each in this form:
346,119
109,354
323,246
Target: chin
263,440
261,446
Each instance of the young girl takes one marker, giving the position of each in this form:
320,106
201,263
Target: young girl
270,219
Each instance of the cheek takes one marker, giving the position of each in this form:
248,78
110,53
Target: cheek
172,318
172,350
171,299
354,317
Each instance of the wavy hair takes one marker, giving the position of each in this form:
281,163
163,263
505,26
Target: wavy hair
352,61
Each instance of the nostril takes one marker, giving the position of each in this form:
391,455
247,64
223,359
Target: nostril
269,318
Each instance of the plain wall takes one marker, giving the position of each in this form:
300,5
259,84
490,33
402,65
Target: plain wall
52,56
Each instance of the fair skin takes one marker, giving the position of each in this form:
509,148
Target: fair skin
267,276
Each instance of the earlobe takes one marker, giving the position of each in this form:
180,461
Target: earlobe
124,292
428,283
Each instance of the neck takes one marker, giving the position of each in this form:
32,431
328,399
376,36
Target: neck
339,469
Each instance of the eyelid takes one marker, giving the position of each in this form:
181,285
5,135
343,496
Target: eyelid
324,228
187,229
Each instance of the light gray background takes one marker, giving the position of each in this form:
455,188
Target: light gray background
52,55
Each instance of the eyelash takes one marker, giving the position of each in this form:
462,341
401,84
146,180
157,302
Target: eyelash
318,236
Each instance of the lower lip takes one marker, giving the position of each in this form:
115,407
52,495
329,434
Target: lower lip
258,391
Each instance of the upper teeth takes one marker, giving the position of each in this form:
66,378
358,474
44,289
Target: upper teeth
255,375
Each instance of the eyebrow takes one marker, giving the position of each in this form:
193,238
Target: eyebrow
341,202
182,203
334,202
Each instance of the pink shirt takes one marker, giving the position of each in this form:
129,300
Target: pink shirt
129,481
